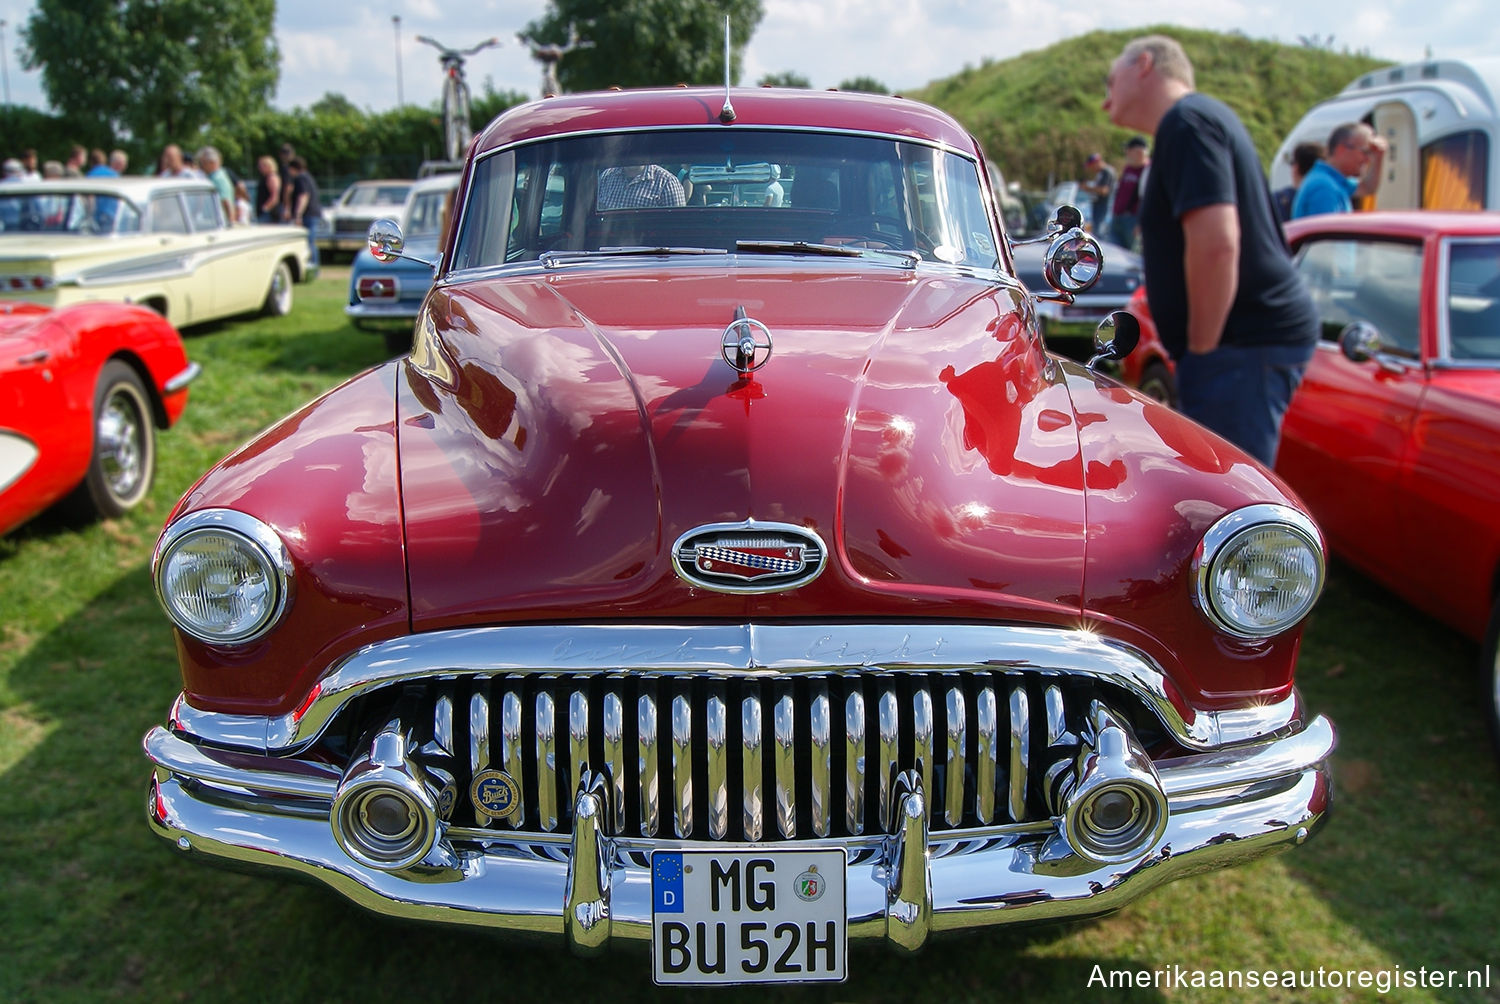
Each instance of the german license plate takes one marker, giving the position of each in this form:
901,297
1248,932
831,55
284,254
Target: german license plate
748,916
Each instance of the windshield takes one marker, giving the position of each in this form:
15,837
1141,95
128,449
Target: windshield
721,188
376,195
67,213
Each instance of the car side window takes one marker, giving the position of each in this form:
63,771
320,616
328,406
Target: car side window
1361,279
167,216
203,209
1472,304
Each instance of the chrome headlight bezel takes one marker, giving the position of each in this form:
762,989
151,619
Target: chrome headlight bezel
256,541
1222,541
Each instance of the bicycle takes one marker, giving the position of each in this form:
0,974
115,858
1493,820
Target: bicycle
456,129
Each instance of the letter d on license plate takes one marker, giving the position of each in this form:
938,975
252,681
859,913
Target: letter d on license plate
748,916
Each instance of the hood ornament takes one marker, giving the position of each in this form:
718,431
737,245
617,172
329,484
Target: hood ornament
746,344
749,557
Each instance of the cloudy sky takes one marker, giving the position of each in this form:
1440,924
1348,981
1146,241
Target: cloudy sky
351,48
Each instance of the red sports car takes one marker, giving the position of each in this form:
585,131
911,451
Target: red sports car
730,570
82,391
1393,439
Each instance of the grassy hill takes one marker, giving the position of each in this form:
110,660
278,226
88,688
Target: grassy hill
1038,114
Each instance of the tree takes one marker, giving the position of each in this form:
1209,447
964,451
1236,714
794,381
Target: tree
646,43
865,85
787,78
156,70
335,104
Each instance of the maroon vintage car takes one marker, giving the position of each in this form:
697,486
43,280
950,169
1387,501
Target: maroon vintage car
82,391
730,570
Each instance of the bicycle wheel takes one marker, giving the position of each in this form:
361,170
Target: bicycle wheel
455,118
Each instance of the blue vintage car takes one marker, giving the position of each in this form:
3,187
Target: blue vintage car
386,296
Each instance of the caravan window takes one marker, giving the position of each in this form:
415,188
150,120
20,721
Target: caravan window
1454,169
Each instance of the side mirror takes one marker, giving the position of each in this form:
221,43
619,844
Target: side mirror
1116,337
385,240
1360,341
1067,218
1074,261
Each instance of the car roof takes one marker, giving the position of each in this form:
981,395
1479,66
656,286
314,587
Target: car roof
1410,223
436,182
774,107
137,189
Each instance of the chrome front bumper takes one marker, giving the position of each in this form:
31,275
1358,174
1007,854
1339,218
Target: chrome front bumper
591,887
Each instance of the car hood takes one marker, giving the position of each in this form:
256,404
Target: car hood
558,434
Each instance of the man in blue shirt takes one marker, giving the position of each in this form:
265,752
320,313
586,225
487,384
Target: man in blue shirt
1352,168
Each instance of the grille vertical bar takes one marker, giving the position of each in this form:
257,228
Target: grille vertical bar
985,768
578,741
682,765
953,809
890,746
921,721
821,768
785,757
546,760
479,736
854,759
650,761
716,737
1020,751
753,767
511,749
614,753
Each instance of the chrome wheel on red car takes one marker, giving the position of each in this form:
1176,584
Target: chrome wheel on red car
124,458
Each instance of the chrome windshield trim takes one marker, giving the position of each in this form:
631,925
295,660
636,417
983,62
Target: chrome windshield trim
734,650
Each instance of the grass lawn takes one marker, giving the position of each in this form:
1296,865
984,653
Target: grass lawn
96,908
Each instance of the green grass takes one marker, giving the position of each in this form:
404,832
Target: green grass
96,908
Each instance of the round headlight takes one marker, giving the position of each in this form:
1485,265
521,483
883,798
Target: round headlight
1259,570
223,577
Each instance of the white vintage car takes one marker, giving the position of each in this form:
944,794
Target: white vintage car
161,242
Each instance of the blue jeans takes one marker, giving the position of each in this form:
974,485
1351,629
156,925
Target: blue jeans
312,226
1242,392
1122,230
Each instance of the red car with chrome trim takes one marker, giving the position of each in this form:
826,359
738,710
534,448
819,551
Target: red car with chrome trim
82,391
737,576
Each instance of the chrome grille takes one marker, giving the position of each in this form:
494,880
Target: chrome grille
758,757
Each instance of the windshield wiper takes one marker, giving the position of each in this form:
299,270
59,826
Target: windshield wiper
551,259
908,258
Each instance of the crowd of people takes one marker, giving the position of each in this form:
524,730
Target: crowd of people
284,192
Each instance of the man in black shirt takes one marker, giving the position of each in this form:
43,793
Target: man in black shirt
306,209
1228,303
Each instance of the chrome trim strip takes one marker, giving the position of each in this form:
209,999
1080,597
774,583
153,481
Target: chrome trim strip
734,650
987,768
682,766
854,763
442,724
1264,797
953,811
1020,752
1057,722
181,380
784,756
820,779
753,768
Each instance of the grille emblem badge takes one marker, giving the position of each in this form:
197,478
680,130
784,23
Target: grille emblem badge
749,557
495,794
